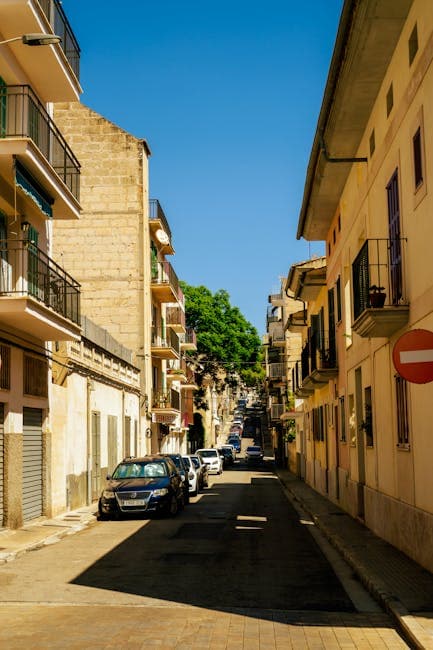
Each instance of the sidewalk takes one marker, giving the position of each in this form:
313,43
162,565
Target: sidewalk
402,587
44,532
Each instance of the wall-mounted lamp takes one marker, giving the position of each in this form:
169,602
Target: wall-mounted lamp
25,227
34,39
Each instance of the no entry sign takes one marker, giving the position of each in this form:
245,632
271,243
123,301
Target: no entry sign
413,356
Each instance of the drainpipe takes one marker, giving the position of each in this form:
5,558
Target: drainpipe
89,441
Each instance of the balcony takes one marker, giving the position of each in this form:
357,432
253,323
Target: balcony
35,156
177,373
54,70
379,263
276,299
175,318
36,295
190,383
164,344
164,282
188,341
159,227
277,336
318,361
165,405
297,321
276,412
276,371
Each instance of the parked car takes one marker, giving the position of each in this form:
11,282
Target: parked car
202,469
226,455
232,449
151,484
212,458
236,442
253,453
193,476
183,470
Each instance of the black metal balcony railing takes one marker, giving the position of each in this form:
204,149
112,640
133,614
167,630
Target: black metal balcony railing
175,316
25,270
379,263
190,337
60,24
166,399
156,212
319,353
276,370
165,339
163,273
24,116
277,335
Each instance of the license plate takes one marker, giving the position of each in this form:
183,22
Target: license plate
134,502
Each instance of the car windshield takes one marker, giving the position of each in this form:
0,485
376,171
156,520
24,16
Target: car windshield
253,448
195,462
187,461
140,470
208,453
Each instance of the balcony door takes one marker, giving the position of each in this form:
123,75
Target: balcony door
33,262
395,256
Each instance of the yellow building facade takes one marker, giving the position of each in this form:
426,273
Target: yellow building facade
367,196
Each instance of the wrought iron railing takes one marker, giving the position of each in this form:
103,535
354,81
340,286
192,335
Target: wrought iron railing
276,370
190,337
163,273
165,338
277,335
166,399
175,316
379,268
276,411
24,116
25,270
157,213
60,24
319,353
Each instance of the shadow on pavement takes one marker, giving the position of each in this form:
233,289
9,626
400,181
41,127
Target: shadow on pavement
240,548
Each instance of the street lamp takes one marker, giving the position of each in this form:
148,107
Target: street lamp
34,39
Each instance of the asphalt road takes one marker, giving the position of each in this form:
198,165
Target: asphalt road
239,551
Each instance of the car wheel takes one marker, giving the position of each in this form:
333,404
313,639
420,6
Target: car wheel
194,492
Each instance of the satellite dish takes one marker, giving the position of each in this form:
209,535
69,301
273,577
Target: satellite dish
162,236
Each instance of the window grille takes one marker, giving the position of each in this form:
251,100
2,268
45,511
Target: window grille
35,376
402,411
5,367
417,158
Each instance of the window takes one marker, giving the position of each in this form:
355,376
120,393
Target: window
389,100
368,417
342,420
5,367
339,223
417,158
372,143
338,286
413,44
402,412
334,236
35,376
329,249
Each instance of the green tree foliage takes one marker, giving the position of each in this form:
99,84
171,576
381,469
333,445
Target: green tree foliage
225,339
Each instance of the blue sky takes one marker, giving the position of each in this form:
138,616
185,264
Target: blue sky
227,94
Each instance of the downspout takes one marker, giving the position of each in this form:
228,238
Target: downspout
89,442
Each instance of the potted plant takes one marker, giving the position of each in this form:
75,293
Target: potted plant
377,296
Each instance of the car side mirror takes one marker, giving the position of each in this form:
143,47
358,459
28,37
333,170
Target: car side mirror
108,477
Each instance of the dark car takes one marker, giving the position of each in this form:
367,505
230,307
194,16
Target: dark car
236,442
227,456
150,484
183,470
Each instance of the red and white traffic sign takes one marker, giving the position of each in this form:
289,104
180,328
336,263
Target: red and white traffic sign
413,356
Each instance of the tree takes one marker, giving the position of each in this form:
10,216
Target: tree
226,341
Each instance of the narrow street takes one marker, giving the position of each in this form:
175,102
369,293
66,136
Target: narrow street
238,568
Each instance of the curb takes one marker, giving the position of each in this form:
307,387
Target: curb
404,621
53,538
